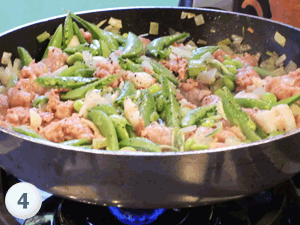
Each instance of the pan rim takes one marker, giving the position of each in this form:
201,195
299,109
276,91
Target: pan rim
140,153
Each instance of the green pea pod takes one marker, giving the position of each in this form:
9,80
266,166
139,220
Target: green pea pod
97,33
63,82
78,33
121,125
77,57
29,132
156,47
236,116
161,70
95,44
68,30
84,73
269,98
260,132
127,64
193,116
288,101
121,40
189,143
197,53
105,51
78,142
127,90
108,109
172,106
160,103
154,88
56,40
80,48
81,91
40,100
178,139
70,72
24,56
140,143
157,77
251,103
227,82
133,46
224,69
106,127
262,72
147,106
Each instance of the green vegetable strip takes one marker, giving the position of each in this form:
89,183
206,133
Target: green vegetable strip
63,82
238,117
140,143
68,30
133,46
108,109
251,103
24,56
56,40
78,142
28,132
80,92
127,90
172,105
147,106
197,53
70,72
193,116
106,127
78,33
288,101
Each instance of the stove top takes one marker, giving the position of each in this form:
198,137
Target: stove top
277,206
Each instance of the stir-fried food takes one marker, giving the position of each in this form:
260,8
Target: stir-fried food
98,89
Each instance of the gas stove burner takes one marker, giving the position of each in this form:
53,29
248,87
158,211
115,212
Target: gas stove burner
76,213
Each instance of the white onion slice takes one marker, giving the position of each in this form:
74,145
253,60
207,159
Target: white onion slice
280,60
232,140
207,77
56,72
181,52
189,129
147,65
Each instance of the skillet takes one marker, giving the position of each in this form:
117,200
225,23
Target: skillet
156,180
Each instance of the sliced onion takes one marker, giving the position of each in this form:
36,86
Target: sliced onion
259,91
237,39
232,140
243,94
226,49
181,52
101,23
115,22
279,72
280,60
280,39
147,65
108,97
172,56
17,66
154,27
74,41
191,43
199,20
207,57
58,71
35,118
291,66
6,58
207,77
189,129
183,15
244,48
114,57
91,61
201,42
295,109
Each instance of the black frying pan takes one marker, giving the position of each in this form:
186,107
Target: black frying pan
155,180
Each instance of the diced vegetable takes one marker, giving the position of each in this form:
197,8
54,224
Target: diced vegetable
154,28
43,37
101,23
199,20
280,39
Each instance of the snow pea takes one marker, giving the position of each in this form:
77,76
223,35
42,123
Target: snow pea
172,107
84,73
269,98
106,127
224,69
105,51
193,116
251,103
78,33
26,131
63,82
161,70
121,40
24,56
121,125
68,30
98,33
154,89
195,67
76,57
77,142
81,91
108,109
147,106
70,72
95,44
288,101
133,46
127,90
127,64
237,117
156,47
77,105
56,40
81,48
140,143
227,82
197,53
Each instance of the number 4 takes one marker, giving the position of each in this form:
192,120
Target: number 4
24,202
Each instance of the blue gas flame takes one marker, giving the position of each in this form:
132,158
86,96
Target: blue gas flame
136,216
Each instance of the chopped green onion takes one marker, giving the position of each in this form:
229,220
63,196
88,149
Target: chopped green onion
43,37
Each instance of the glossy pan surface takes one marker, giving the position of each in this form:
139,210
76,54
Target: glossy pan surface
156,180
